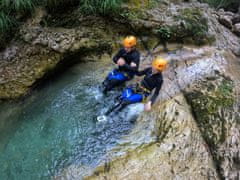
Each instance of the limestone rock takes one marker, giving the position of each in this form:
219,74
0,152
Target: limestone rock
226,21
215,107
179,151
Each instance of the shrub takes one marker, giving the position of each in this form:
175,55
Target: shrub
101,7
10,9
6,25
164,33
193,25
6,22
18,6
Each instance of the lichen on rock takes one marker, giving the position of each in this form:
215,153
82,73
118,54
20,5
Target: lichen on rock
213,102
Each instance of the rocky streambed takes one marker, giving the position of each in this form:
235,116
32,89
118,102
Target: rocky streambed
193,130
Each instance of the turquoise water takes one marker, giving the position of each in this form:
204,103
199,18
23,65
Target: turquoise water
56,126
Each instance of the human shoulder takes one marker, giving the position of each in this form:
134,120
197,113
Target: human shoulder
160,77
122,50
135,52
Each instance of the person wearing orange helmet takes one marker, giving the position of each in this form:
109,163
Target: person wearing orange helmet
127,59
152,80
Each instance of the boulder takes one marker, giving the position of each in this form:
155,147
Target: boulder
226,21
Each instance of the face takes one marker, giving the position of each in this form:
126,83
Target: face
128,49
154,70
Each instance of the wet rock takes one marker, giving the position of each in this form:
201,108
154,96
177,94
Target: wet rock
40,50
178,149
178,139
226,21
236,29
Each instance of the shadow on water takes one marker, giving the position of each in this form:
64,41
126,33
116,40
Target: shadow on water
56,126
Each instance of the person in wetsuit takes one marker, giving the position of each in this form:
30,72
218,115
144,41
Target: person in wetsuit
127,59
152,81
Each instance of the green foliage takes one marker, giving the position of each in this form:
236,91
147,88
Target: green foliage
6,22
164,33
193,25
101,7
6,25
10,9
194,22
18,5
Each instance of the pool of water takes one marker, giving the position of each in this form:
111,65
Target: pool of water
56,126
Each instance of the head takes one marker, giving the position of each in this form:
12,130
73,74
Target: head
129,43
159,64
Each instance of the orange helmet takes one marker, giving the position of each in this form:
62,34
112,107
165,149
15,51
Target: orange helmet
130,41
159,64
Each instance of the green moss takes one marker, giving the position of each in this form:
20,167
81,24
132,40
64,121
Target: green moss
209,107
132,14
190,27
212,105
193,24
153,3
164,33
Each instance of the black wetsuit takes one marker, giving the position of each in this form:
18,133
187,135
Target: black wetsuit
127,70
151,81
132,56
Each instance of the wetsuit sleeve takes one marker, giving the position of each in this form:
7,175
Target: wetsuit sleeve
156,92
117,56
135,59
143,72
130,68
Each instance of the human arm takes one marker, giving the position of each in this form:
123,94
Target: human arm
143,72
149,104
118,56
135,59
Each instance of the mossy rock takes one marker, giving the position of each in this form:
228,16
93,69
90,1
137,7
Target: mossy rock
190,27
212,102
